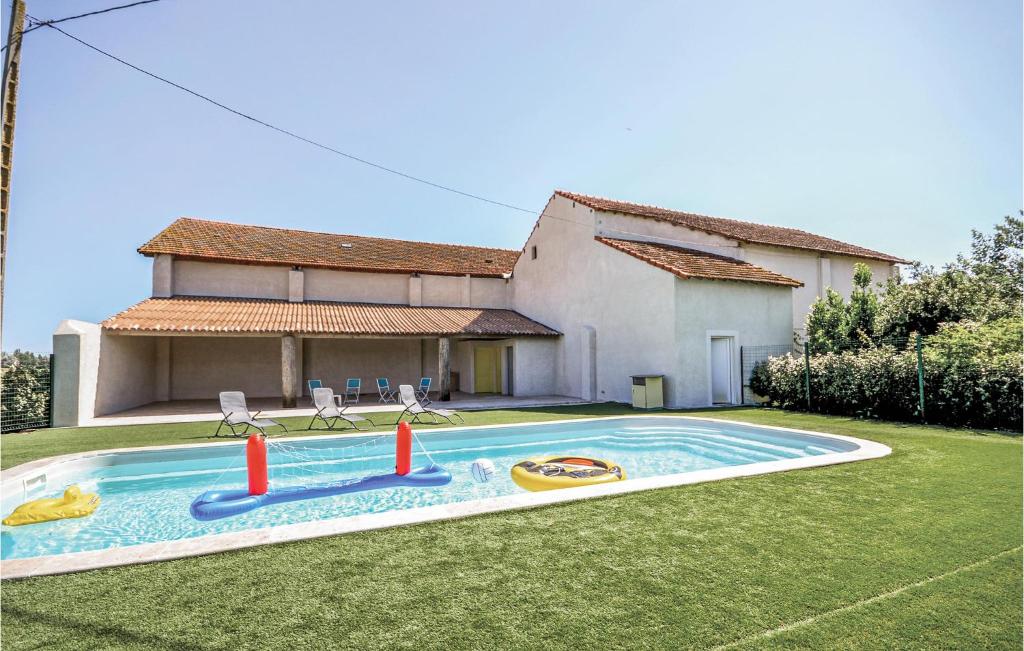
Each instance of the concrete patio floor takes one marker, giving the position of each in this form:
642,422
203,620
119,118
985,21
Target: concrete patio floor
190,411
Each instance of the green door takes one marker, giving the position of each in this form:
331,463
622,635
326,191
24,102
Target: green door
485,370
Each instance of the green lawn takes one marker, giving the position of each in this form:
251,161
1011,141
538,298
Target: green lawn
921,549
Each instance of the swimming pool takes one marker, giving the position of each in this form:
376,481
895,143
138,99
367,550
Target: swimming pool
146,493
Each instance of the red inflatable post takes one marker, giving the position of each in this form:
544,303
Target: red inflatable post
256,458
403,449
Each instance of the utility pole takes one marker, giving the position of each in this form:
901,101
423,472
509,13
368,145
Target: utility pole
12,68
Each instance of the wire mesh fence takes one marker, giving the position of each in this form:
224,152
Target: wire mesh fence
815,387
751,356
25,391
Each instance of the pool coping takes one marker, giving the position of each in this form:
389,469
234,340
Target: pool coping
18,568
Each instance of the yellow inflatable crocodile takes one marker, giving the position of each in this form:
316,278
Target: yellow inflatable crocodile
74,504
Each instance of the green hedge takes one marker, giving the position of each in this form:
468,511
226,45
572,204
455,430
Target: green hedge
881,382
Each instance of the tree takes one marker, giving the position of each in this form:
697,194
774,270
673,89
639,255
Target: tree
26,390
983,286
860,321
833,324
826,322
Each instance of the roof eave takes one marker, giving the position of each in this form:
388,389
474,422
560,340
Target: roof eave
881,257
583,200
783,281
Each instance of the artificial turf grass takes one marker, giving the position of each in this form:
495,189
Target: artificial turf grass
930,615
684,567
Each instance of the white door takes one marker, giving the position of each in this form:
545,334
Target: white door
721,370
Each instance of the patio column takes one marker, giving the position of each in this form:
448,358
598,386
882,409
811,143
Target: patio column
289,370
162,384
444,367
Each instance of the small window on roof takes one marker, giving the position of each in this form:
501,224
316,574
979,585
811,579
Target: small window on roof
533,252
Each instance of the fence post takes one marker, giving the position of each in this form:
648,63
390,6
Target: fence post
920,375
807,373
49,407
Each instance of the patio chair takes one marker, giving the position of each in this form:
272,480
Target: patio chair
352,386
386,394
423,391
327,411
313,384
413,406
236,414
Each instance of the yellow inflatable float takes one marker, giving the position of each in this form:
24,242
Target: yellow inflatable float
546,473
74,504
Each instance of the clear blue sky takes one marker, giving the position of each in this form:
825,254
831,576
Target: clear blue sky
893,125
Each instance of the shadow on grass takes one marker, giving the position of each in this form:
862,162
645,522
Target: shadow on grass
105,636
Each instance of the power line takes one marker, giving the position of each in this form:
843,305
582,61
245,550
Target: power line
328,148
292,134
37,23
46,23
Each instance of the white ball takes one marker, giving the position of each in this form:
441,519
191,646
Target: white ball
483,470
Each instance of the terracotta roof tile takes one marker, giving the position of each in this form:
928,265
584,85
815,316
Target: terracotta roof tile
200,239
732,228
688,263
264,316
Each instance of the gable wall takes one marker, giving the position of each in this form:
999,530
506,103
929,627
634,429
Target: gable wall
816,271
577,284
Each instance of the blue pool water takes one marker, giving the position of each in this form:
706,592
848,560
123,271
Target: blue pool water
146,495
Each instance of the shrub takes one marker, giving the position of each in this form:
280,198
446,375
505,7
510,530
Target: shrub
972,378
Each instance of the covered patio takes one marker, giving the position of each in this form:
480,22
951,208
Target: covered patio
171,357
190,411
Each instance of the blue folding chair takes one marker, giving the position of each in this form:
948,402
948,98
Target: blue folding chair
423,391
386,394
352,386
313,384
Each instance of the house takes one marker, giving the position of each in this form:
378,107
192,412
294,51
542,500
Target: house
601,291
640,289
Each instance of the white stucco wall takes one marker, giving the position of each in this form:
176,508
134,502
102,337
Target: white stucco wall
462,363
641,229
442,290
535,364
429,361
356,287
76,356
193,278
816,271
126,375
202,367
796,264
163,275
754,314
841,277
489,292
576,282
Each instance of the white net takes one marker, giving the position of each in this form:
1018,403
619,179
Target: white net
316,462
